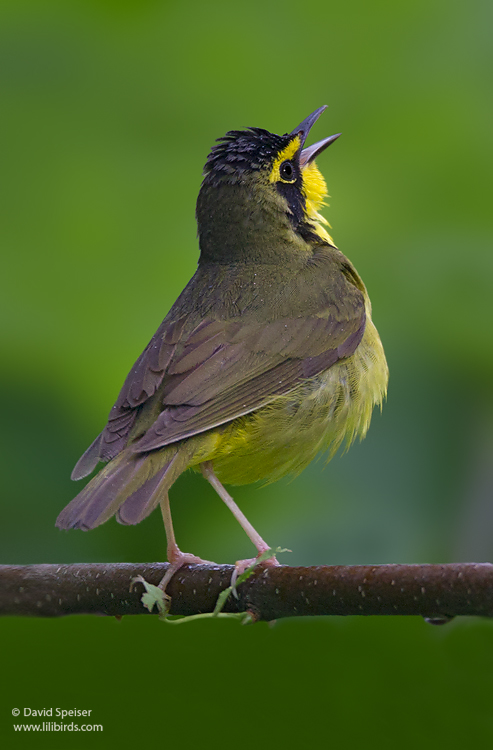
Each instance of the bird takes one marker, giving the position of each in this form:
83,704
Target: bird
268,358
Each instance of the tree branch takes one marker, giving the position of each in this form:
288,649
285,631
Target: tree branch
435,592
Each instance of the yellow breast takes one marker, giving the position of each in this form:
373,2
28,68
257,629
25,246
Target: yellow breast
317,416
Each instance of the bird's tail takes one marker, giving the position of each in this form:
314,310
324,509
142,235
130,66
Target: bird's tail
130,486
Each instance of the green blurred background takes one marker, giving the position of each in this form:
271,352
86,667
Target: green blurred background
108,112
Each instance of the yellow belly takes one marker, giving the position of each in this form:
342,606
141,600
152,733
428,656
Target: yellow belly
318,415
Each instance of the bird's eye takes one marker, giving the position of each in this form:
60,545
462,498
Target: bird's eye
286,171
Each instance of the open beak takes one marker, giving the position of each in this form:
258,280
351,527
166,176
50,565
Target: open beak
311,153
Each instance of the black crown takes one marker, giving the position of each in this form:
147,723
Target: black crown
241,151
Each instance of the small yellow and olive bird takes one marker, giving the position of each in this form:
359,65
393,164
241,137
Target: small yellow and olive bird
268,356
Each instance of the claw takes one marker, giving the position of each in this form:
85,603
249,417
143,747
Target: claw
177,559
242,565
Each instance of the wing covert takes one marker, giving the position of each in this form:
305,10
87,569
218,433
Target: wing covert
246,369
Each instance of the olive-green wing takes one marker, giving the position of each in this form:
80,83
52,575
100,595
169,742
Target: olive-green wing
192,381
226,370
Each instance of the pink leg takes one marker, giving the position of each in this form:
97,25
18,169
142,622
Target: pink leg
176,557
245,524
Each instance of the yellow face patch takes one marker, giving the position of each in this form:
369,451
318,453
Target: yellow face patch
286,154
314,185
315,190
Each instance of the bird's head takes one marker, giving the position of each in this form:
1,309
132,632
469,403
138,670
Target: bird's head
261,193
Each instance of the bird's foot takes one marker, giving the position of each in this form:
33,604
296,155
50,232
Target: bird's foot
177,559
242,565
156,596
